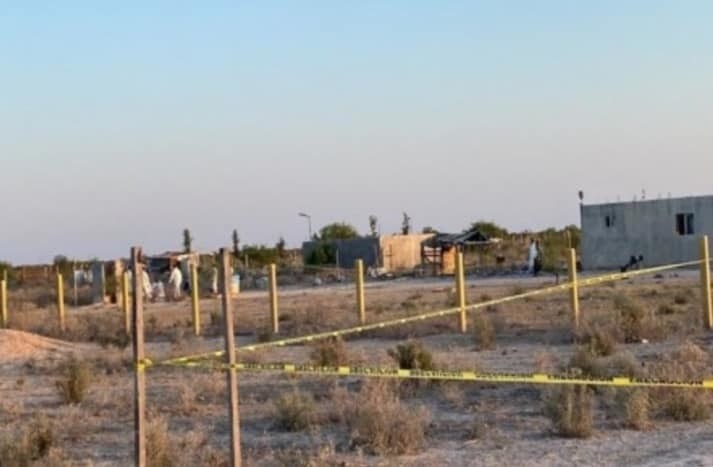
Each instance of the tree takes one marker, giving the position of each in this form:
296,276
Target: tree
373,225
187,241
280,246
323,253
261,255
338,231
236,244
489,229
406,225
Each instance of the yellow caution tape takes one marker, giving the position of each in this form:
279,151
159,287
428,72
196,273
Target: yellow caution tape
435,314
446,375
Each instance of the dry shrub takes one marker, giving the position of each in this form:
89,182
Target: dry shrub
666,309
631,318
210,388
688,362
330,352
453,393
600,340
545,362
584,362
634,321
295,411
570,410
636,407
264,334
412,356
381,424
680,298
29,446
484,332
687,405
75,382
159,452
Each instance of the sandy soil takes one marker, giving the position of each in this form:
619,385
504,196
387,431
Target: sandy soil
514,430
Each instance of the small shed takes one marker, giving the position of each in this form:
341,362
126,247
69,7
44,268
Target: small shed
439,251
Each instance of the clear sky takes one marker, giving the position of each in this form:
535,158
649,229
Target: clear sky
123,124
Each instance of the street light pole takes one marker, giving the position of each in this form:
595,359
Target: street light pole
309,223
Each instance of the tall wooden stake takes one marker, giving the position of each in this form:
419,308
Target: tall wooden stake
60,302
138,344
706,283
195,301
274,318
230,358
574,292
361,306
3,303
125,306
460,293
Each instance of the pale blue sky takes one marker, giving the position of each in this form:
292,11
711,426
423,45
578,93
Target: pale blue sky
123,124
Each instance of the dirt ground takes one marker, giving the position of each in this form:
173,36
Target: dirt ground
463,423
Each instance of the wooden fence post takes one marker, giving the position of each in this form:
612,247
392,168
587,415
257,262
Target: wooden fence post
3,303
273,300
230,358
361,306
138,344
195,301
574,292
460,293
125,302
706,283
60,302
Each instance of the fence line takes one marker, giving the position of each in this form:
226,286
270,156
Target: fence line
439,313
231,367
444,375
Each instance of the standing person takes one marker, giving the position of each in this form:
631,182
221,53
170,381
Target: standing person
532,256
214,280
538,259
146,283
175,281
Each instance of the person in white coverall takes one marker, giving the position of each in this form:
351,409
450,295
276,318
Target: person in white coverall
146,283
175,281
532,256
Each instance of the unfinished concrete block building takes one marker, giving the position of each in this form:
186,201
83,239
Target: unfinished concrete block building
662,231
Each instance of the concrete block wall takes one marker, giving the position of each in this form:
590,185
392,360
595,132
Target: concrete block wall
646,228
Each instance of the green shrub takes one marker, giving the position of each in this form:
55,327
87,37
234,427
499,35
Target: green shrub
412,356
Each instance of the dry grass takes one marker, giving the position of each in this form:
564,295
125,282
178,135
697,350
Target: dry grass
28,447
294,411
75,381
601,340
635,322
484,332
380,423
330,352
688,362
636,408
159,449
570,410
